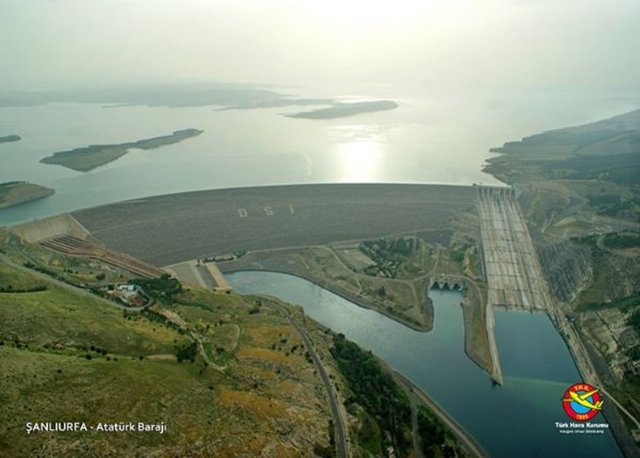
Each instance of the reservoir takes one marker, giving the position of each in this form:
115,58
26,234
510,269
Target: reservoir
430,138
517,419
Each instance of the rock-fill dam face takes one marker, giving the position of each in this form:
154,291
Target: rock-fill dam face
169,229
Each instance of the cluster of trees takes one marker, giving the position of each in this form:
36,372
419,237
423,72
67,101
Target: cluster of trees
186,352
162,288
459,253
612,204
634,320
604,199
33,289
433,435
619,240
51,273
622,240
375,391
590,240
625,303
388,254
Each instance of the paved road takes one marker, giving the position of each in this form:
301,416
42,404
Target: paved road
470,444
621,407
338,421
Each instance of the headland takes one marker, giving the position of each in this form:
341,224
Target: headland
18,192
10,138
341,110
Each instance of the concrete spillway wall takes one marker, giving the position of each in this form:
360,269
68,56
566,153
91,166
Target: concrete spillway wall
49,228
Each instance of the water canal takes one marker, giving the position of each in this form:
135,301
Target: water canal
517,419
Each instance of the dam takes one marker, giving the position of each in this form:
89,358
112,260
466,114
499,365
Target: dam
169,229
173,230
513,273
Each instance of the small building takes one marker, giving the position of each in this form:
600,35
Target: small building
127,288
131,295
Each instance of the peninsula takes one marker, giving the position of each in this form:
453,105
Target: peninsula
17,192
92,156
10,138
341,110
606,150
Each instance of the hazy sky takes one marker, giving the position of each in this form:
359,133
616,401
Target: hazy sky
512,44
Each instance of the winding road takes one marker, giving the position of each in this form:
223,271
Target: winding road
338,421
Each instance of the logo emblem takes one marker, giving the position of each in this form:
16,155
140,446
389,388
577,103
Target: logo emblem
582,402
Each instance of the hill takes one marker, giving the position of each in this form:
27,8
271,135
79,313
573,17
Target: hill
67,357
607,149
17,192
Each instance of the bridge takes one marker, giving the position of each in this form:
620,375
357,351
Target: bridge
444,281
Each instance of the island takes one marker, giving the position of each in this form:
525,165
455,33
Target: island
17,192
341,110
92,156
10,138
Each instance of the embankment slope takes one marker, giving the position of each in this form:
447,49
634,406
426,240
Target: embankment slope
173,228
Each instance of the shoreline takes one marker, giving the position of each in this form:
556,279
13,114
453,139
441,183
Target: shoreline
87,158
587,370
384,313
466,439
20,192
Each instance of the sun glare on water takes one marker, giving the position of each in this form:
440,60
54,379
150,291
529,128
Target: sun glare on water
359,161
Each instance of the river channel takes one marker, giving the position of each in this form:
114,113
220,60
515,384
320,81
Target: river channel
517,419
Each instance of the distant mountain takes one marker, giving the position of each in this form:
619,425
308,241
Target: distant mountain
605,150
617,135
225,96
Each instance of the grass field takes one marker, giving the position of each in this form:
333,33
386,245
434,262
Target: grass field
66,357
246,387
14,279
59,318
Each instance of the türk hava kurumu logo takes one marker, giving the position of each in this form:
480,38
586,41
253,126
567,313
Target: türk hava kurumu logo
582,402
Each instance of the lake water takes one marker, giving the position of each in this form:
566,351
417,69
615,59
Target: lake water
430,138
517,419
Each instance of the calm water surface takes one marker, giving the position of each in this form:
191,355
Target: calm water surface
517,419
430,138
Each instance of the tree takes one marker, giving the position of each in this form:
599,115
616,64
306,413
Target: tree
186,352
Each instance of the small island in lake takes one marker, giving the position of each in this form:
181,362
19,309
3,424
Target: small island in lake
341,110
18,192
92,156
10,138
